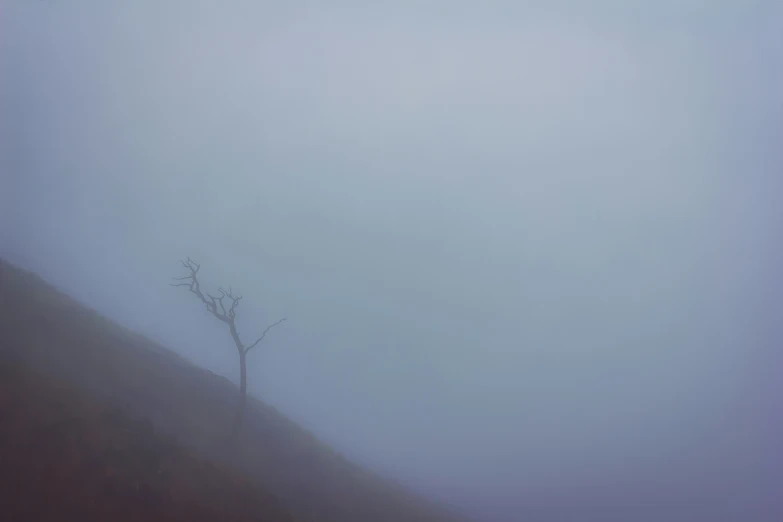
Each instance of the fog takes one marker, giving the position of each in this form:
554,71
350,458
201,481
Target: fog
529,252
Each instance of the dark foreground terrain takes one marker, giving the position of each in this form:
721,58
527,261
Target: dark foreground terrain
65,457
99,423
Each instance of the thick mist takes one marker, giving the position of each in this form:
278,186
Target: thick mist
529,253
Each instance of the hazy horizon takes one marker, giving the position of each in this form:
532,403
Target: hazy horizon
529,253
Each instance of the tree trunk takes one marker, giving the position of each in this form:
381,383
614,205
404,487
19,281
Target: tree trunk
240,414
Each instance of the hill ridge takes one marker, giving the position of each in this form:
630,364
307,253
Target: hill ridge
63,340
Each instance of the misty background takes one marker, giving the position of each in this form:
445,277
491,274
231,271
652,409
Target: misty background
529,251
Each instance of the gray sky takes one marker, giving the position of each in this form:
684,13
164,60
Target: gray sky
529,251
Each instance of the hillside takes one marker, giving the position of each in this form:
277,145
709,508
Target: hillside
101,421
64,456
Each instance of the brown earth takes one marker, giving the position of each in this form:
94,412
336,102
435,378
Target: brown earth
66,457
100,423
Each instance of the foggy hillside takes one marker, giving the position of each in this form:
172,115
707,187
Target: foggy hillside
49,334
529,252
66,456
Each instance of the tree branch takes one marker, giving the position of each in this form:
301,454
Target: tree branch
212,302
249,347
220,300
232,310
194,287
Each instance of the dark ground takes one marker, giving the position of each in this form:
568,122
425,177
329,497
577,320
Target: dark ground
100,423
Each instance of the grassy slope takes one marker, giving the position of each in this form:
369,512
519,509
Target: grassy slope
45,331
65,456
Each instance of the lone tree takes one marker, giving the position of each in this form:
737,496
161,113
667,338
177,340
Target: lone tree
217,307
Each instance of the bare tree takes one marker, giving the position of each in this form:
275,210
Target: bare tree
217,307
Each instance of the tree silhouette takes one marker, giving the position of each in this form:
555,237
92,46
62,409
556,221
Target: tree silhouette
216,306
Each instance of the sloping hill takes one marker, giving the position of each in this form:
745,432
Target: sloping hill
60,340
64,456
